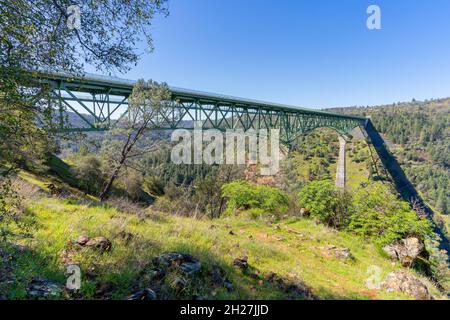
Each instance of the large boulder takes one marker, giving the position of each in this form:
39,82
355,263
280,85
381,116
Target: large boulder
403,281
406,250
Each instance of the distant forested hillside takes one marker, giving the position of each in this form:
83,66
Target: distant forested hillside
419,135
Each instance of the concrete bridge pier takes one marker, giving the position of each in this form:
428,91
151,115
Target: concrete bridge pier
340,172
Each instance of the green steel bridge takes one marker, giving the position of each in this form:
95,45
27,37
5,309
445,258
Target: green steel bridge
100,101
105,99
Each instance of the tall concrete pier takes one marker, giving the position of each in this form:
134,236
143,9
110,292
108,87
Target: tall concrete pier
340,172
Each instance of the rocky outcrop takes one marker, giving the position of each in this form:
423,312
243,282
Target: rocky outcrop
406,251
403,281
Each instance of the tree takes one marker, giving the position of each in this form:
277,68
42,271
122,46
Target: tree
147,104
208,190
441,202
36,35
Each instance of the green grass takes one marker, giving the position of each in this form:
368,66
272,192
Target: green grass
269,246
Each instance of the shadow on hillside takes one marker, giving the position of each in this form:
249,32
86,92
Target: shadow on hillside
136,270
404,187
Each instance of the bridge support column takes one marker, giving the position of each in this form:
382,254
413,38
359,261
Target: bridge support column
340,172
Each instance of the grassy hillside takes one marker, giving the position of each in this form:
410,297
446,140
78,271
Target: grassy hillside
294,248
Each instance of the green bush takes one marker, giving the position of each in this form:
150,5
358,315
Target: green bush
88,171
242,195
324,202
373,211
377,213
154,186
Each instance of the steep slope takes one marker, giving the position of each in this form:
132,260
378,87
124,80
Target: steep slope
418,134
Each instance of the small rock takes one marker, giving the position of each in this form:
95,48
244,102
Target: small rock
103,288
339,253
99,243
146,294
241,262
156,274
125,236
184,262
402,281
342,253
270,276
290,230
82,240
190,267
179,283
218,277
228,285
304,212
277,238
169,259
91,273
40,288
253,276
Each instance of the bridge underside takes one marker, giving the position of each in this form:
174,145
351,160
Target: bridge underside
100,102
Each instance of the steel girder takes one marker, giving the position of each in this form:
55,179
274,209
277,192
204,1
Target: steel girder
104,100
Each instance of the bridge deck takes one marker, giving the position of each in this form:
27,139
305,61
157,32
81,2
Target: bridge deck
122,87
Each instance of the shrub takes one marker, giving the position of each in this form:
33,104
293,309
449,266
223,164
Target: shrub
324,202
176,200
243,195
89,174
154,186
131,184
377,213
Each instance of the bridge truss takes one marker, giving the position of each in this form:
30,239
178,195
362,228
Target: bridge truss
100,101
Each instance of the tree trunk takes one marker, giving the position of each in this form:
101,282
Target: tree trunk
107,188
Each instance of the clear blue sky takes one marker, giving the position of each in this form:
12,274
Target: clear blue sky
309,53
